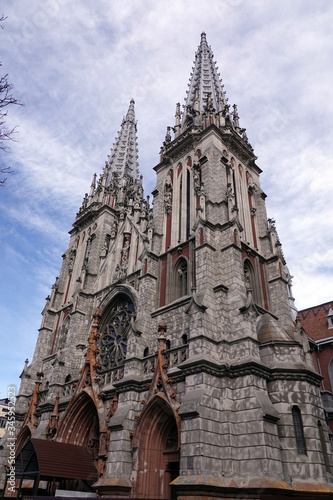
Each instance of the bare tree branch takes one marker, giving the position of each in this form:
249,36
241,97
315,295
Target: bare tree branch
6,99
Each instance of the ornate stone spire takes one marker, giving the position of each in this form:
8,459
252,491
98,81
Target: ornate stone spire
124,154
205,83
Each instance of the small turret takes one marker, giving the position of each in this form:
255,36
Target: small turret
236,118
177,122
92,186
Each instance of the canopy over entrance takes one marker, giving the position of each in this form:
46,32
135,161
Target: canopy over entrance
49,460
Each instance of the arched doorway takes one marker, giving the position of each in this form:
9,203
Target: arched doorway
81,425
157,456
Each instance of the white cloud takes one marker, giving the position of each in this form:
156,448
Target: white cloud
76,66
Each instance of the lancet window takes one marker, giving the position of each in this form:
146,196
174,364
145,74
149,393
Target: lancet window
299,431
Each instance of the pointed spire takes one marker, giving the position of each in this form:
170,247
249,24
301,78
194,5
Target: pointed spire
124,154
205,81
93,186
52,427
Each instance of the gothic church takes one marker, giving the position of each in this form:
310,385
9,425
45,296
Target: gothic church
170,362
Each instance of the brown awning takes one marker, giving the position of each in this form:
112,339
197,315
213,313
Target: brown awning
50,459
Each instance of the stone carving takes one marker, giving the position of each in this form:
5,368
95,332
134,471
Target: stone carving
71,260
113,231
196,180
168,194
106,244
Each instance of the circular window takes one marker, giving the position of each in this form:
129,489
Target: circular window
113,341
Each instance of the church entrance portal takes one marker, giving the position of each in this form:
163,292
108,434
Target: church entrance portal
157,452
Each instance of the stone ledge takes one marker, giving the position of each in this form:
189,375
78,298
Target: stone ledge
259,485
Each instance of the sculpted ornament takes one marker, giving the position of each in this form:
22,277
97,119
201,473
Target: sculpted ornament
105,248
113,231
168,194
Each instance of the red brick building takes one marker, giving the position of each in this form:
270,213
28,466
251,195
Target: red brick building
317,321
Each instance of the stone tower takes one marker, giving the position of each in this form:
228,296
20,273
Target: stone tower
169,347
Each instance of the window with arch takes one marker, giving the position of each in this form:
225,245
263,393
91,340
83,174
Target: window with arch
181,277
299,431
114,334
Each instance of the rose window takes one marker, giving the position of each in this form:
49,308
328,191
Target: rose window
113,342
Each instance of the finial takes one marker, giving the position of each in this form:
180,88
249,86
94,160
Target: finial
236,117
162,328
93,182
168,136
130,113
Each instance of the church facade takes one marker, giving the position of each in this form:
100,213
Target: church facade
169,346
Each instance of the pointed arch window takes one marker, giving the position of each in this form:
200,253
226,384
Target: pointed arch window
299,431
188,204
180,208
114,334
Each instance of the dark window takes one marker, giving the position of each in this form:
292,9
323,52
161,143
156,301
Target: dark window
188,205
68,378
299,431
146,352
3,422
180,208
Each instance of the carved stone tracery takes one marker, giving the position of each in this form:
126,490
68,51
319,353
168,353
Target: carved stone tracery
113,342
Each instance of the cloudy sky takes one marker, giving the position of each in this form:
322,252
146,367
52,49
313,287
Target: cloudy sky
76,65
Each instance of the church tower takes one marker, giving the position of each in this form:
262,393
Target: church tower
169,346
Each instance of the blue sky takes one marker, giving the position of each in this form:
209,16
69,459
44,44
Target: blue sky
76,65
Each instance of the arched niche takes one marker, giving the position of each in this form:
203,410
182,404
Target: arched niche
180,278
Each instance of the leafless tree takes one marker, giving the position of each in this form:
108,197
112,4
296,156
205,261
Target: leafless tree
6,99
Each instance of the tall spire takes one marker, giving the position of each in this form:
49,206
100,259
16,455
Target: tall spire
124,154
205,80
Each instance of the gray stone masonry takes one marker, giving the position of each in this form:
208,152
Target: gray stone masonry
200,279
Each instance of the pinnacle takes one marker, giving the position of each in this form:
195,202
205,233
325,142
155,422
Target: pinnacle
204,79
131,112
124,153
